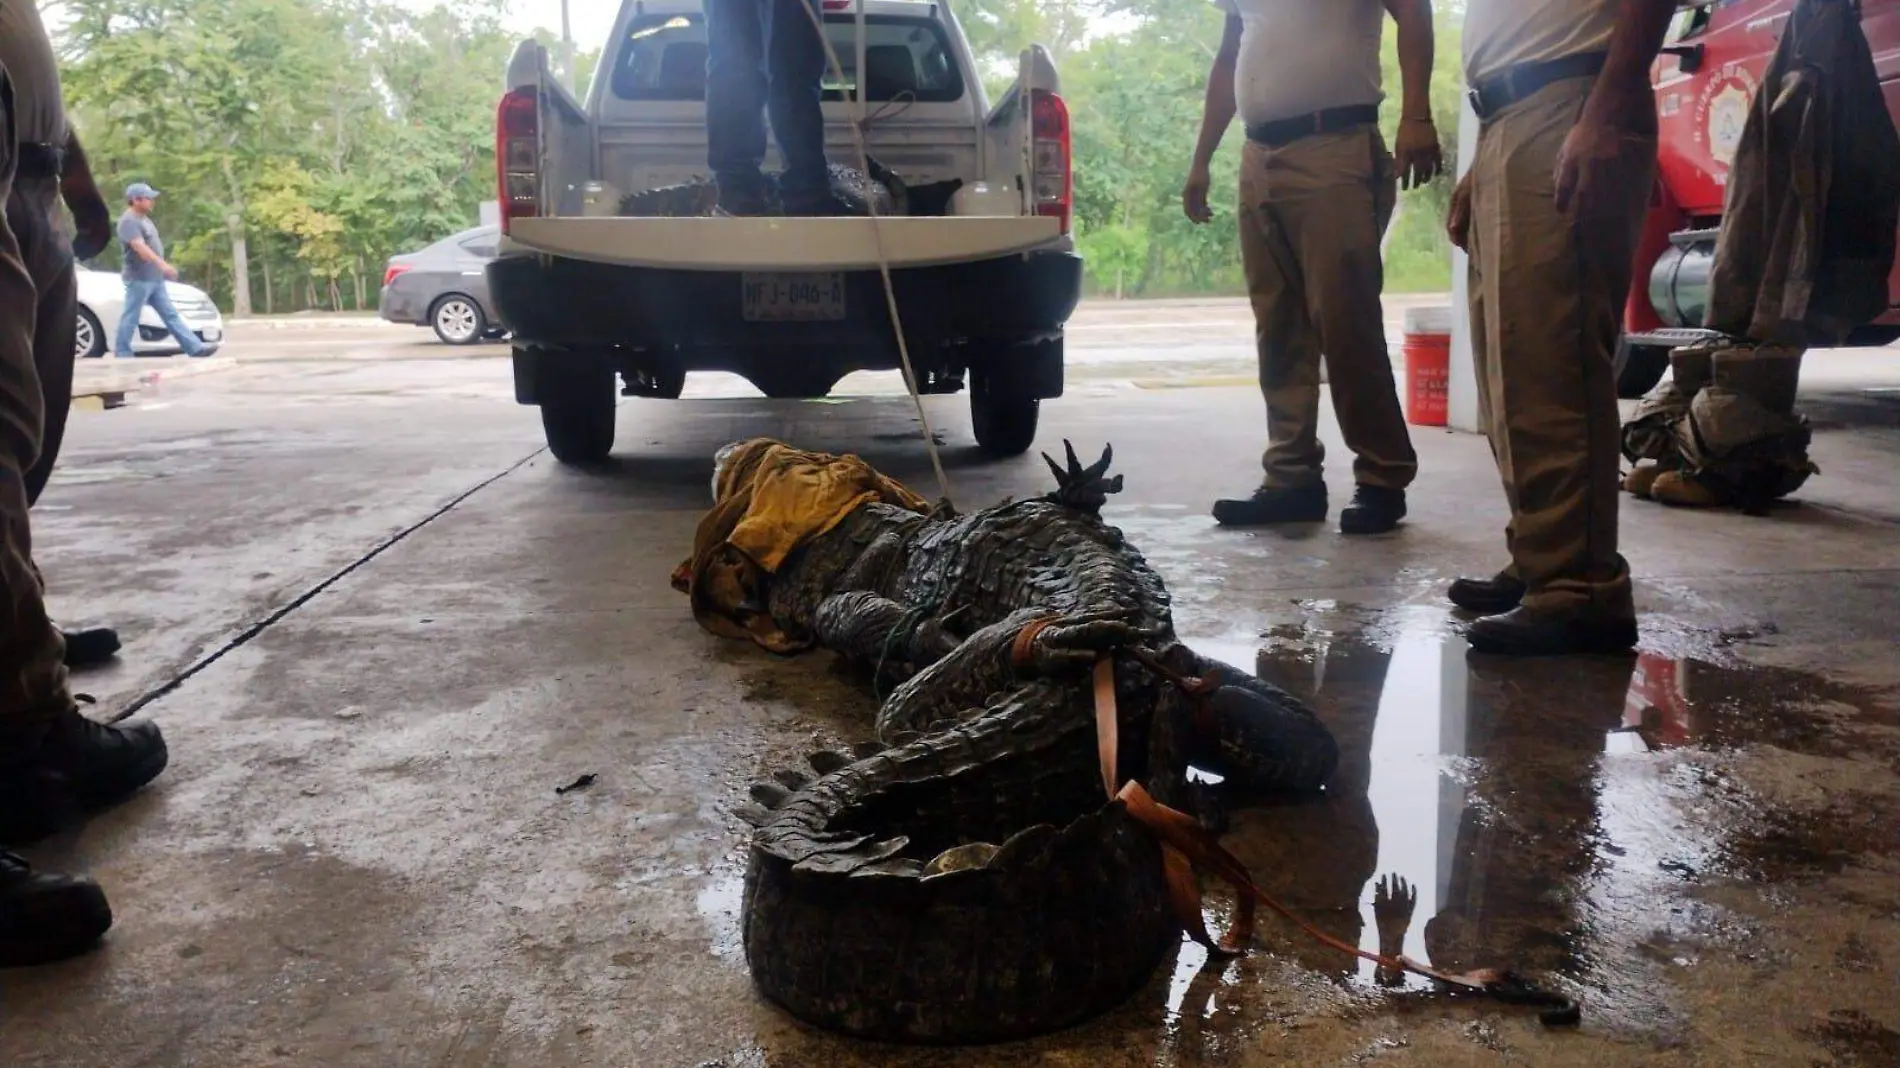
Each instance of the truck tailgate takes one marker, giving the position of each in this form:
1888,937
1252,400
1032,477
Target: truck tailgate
782,244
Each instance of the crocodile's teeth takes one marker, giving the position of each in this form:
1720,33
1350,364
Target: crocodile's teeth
867,749
826,761
756,815
770,794
960,858
792,778
1024,846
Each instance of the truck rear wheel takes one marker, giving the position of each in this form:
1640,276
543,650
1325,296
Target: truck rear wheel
577,414
1004,422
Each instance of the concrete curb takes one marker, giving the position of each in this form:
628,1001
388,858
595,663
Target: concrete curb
309,323
148,372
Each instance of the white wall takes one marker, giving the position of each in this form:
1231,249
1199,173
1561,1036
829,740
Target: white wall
1462,391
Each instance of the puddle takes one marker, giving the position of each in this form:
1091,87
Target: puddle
718,903
1556,816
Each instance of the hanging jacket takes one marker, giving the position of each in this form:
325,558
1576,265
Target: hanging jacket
1808,229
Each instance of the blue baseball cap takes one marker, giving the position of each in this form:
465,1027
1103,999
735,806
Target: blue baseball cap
140,191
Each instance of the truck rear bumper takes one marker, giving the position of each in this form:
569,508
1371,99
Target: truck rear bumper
556,302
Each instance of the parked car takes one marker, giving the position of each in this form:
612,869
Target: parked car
1705,84
442,286
984,263
102,300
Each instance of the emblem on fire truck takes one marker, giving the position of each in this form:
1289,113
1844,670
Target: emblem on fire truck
1723,110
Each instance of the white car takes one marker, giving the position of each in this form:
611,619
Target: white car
102,297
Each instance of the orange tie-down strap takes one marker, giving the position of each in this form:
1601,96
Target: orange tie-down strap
1187,848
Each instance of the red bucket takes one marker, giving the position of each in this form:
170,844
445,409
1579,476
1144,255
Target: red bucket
1427,365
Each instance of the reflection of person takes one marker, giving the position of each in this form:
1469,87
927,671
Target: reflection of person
1550,213
766,55
1532,820
50,167
54,762
1317,189
145,274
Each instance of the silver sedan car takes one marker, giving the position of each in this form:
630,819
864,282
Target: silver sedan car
443,286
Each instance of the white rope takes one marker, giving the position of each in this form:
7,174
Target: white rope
877,229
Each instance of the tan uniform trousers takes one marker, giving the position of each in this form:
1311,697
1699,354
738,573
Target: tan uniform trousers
33,212
1547,296
32,668
1311,216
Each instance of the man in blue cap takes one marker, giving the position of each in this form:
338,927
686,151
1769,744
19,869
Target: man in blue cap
145,274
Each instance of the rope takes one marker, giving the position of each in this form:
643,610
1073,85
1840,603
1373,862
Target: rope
877,230
899,637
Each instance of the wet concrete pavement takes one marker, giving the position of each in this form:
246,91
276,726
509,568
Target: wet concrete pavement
380,628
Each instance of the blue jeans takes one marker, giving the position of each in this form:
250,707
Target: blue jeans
764,54
137,296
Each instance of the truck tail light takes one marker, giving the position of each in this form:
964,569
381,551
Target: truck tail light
394,269
518,155
1053,180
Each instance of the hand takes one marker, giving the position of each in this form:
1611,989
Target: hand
92,223
168,271
1594,161
1458,218
1194,194
1417,152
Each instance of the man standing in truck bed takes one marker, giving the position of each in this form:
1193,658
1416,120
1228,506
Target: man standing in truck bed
1550,212
1317,188
760,55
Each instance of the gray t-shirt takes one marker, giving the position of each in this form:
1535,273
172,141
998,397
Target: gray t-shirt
132,227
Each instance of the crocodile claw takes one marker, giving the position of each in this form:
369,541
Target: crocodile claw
1085,489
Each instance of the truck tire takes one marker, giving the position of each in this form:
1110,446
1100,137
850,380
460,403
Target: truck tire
578,414
1638,368
1004,422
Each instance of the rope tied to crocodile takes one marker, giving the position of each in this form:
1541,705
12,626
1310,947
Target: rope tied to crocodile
1187,849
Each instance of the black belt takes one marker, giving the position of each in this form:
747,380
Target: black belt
1512,84
1286,131
40,160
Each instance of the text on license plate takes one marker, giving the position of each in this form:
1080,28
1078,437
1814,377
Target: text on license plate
792,297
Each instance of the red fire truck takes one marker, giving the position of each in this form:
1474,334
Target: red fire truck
1705,82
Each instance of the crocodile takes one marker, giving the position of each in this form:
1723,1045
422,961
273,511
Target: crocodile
964,879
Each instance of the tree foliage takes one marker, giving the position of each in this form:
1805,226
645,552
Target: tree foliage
317,136
308,140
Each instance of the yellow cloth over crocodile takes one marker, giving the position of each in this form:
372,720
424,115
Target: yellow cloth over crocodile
768,500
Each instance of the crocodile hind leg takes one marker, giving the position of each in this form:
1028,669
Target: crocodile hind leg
897,642
1255,735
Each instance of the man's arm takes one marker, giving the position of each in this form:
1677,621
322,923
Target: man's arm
1217,113
1416,148
91,218
135,246
1621,109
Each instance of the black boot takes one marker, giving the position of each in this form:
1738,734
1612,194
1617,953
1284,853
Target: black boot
1487,597
1524,631
90,647
80,765
1374,510
1269,505
46,918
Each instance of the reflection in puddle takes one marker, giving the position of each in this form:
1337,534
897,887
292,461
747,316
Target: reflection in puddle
1552,816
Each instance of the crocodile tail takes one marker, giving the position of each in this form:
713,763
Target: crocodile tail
920,938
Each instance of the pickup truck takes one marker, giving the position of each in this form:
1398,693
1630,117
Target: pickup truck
1705,82
983,266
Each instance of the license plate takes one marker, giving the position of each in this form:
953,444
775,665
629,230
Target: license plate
774,298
